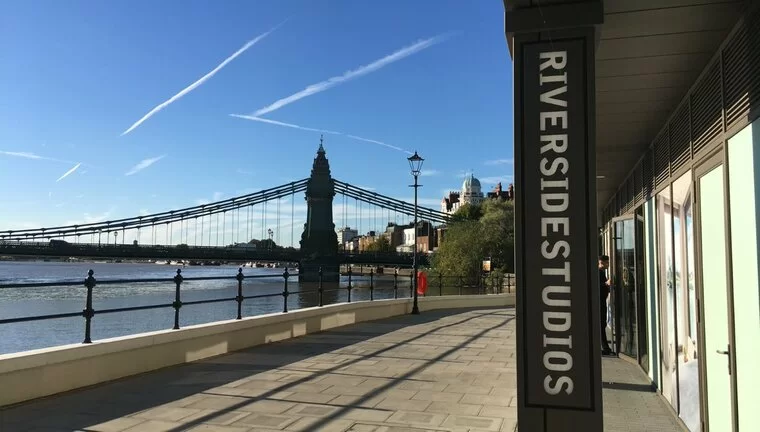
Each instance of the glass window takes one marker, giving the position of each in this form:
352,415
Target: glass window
688,363
666,292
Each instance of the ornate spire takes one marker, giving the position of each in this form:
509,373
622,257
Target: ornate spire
321,148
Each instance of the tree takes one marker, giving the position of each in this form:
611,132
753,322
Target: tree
475,233
467,212
498,223
462,251
381,244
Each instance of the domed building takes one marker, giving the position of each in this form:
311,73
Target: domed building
471,193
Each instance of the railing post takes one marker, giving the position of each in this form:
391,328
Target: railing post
88,311
285,292
320,290
349,284
440,284
461,282
395,283
239,297
177,302
411,283
371,284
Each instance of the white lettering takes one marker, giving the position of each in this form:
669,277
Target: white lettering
555,246
565,361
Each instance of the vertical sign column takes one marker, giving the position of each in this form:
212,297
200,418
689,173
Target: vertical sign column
559,363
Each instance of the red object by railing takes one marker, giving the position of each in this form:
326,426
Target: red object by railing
421,283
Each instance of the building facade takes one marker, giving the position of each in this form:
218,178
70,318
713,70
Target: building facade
345,234
683,235
471,193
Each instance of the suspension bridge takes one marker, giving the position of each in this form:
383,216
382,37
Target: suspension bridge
224,230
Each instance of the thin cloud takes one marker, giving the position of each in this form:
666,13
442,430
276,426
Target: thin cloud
145,163
349,75
304,128
491,181
428,173
203,79
69,172
498,162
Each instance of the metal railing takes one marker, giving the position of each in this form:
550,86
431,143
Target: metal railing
438,284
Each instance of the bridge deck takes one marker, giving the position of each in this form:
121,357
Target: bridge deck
442,370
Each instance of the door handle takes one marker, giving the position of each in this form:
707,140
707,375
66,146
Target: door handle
726,353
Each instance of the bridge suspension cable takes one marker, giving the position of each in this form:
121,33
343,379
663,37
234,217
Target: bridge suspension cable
161,218
397,205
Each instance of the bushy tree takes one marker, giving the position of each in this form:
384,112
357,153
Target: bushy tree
477,232
381,244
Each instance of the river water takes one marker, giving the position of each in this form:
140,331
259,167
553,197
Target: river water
21,302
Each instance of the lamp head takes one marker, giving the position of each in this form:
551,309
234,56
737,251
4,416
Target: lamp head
415,163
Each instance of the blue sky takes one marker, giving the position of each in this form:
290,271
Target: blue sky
428,76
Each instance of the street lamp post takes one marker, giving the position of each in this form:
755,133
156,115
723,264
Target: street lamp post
415,163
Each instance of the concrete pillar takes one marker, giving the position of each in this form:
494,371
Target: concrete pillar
558,311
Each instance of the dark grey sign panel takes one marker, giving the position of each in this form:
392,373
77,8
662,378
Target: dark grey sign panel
557,284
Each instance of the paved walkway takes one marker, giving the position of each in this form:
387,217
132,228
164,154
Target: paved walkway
439,371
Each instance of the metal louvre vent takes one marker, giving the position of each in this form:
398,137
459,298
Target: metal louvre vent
735,76
661,159
678,131
706,115
647,171
638,185
629,193
753,58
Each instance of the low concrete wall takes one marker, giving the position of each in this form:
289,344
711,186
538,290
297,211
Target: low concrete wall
33,374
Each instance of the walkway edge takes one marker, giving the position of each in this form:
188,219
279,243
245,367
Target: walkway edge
45,372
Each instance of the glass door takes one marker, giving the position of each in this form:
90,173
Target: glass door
713,276
624,288
641,291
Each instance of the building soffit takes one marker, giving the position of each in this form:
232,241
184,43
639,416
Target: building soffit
648,54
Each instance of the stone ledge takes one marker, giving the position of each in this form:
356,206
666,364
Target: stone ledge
48,371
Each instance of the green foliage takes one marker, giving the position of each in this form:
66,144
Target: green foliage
467,212
478,232
183,246
264,244
381,244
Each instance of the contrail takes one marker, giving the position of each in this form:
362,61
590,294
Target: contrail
69,172
203,79
294,126
290,125
379,143
34,156
145,163
356,73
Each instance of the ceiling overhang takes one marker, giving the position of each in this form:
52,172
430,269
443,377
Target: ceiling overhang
648,54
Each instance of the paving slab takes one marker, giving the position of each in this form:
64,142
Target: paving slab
446,370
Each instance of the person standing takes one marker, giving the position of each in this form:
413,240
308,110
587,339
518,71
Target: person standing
604,292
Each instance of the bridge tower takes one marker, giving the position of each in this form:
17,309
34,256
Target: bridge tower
319,241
